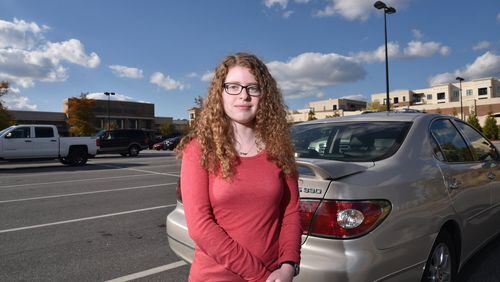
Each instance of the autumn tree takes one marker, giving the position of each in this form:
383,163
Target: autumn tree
377,107
472,120
490,128
167,129
5,118
80,116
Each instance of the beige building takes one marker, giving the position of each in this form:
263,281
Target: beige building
327,108
480,96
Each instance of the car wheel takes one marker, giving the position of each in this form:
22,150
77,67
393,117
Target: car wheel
442,263
133,151
64,161
77,157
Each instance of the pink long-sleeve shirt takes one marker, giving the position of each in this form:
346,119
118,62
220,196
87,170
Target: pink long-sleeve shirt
245,227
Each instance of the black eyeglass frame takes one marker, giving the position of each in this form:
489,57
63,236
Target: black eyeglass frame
242,87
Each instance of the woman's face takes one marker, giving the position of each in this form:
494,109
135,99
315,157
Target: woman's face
240,108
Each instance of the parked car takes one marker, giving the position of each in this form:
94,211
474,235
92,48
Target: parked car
159,146
36,142
387,196
171,143
122,141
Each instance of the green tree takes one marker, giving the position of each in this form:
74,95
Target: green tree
472,120
6,119
311,115
167,129
80,116
490,128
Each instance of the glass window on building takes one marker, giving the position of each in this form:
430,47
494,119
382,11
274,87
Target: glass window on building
334,107
440,96
468,92
429,96
404,98
456,93
396,100
482,91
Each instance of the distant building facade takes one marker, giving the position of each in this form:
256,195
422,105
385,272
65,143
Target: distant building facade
479,96
327,108
125,114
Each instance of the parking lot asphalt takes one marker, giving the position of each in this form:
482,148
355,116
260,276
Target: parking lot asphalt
99,222
106,221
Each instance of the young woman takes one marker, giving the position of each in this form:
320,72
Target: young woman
239,180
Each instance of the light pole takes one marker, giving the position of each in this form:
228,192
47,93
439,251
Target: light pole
461,106
109,119
387,10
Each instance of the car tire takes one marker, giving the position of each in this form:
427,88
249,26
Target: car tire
64,161
77,157
133,151
442,262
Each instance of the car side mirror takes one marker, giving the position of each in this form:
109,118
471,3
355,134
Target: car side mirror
8,135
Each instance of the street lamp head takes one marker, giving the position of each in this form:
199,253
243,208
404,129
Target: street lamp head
390,10
380,5
459,79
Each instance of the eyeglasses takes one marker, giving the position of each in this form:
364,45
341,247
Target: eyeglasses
235,89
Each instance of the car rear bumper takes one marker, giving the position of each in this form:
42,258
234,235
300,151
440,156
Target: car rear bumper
332,260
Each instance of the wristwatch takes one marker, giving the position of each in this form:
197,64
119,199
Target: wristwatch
296,267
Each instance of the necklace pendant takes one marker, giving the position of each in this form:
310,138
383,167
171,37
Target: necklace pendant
243,154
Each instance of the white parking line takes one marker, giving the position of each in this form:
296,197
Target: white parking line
77,171
78,180
86,193
149,272
142,170
84,218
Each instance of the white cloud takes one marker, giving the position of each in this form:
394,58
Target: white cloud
498,17
481,45
270,3
116,97
192,75
486,65
166,82
287,14
308,73
19,34
123,71
425,49
378,55
26,57
208,76
15,101
417,34
355,9
414,49
357,97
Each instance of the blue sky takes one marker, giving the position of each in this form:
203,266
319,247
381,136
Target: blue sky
163,52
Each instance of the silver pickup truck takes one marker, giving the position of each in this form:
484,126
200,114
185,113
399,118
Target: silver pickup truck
34,142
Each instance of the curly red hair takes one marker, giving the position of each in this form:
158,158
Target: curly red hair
214,132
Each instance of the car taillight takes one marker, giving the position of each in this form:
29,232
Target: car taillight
98,142
178,190
342,219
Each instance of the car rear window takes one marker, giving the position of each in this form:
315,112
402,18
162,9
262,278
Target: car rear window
349,141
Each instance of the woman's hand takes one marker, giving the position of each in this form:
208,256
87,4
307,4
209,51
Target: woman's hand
282,274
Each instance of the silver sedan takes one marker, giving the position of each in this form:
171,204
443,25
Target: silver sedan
387,197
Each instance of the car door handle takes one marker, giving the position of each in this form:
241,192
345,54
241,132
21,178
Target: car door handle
53,140
27,141
453,184
491,175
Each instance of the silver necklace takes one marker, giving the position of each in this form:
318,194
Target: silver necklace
248,151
